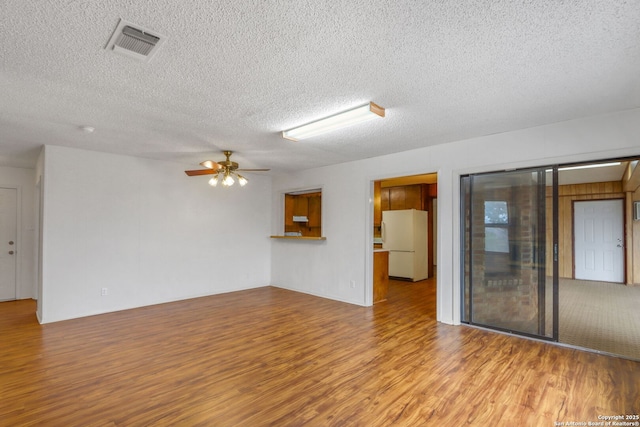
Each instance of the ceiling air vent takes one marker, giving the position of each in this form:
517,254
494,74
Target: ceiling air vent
134,41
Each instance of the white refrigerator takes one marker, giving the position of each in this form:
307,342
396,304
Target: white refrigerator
404,234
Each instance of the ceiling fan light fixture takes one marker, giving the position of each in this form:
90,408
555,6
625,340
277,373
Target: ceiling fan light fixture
228,180
346,118
224,171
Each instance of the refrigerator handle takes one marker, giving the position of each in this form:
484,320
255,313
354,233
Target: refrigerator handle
382,231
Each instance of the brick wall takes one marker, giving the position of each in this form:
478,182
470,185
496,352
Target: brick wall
505,286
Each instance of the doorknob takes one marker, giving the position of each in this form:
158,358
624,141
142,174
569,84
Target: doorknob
11,242
10,252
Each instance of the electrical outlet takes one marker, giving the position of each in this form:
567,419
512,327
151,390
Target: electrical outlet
353,284
105,291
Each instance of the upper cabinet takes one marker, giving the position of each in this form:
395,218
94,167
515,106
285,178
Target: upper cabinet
414,196
288,211
315,212
405,197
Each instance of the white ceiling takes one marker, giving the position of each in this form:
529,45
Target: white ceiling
232,75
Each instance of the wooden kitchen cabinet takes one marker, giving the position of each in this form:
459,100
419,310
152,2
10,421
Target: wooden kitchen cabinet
396,198
288,210
380,275
315,211
300,205
413,197
384,200
401,197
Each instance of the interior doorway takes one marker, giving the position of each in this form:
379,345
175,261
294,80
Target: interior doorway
396,196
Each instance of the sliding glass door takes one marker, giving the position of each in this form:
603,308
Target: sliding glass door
508,247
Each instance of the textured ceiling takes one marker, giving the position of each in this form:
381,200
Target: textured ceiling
232,75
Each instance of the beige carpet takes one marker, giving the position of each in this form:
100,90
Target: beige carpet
600,316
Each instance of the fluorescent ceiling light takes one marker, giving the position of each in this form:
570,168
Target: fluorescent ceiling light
346,118
600,165
597,165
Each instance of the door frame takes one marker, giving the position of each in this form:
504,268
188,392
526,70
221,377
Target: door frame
369,224
539,256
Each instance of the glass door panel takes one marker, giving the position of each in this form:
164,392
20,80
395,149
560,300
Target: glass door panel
507,222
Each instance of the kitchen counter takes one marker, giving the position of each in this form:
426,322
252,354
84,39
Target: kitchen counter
298,237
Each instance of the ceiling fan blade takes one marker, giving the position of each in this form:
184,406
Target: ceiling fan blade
253,170
210,164
201,172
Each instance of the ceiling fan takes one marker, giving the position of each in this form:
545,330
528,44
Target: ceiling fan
225,170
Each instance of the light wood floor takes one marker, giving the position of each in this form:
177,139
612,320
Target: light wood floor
274,357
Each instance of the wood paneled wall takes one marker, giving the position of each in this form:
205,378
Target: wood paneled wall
567,195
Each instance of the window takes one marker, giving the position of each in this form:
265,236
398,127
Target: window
496,226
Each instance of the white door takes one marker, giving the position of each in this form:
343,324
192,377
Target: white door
8,234
599,240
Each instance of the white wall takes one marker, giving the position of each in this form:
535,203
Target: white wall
326,268
145,231
23,181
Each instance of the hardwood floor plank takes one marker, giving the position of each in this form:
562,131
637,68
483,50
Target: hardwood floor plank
269,356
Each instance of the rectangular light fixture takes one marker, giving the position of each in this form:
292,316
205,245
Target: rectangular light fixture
346,118
595,165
